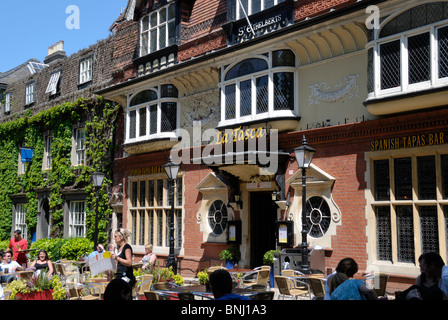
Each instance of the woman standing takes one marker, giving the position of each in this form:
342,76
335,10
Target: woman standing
123,257
43,262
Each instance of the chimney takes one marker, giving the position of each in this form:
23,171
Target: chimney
55,52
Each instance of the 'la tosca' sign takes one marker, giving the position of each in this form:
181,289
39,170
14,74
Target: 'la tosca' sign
418,140
238,135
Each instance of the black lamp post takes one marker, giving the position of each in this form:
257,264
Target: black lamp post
171,170
304,155
98,178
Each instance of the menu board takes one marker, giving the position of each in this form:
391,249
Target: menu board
101,262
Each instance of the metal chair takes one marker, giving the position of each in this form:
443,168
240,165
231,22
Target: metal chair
73,289
288,287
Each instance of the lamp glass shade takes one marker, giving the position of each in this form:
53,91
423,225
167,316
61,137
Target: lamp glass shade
98,178
171,169
304,154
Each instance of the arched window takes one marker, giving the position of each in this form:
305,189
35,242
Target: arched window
410,51
259,87
152,113
217,217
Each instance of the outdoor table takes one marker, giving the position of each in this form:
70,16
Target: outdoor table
99,284
137,265
202,290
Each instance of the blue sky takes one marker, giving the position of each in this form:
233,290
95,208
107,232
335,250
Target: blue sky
29,27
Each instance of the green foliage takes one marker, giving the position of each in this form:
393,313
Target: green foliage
4,245
231,254
58,248
203,277
99,117
268,257
74,248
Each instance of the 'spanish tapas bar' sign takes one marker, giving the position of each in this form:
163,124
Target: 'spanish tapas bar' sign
419,140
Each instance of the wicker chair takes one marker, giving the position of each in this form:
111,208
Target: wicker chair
317,288
289,288
261,278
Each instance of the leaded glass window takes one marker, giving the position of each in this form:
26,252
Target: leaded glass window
318,216
383,233
411,51
217,217
416,219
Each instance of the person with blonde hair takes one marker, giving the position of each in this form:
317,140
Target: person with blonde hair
149,259
123,257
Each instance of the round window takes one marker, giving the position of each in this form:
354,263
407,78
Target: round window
217,217
318,216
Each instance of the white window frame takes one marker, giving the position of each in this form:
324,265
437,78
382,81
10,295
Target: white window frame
8,102
53,83
79,146
20,219
30,93
240,12
148,136
85,70
270,71
77,218
46,163
404,86
146,28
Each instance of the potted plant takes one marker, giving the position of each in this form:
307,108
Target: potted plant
268,259
40,287
203,277
231,256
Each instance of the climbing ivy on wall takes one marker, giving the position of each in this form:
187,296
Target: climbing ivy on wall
99,117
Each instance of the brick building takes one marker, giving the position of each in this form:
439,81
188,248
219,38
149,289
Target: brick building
30,90
366,85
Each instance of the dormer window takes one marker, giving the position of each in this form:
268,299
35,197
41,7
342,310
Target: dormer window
53,84
158,30
85,70
258,88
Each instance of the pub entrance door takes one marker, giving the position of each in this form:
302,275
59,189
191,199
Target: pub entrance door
263,215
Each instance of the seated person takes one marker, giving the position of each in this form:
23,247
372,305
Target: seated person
117,289
149,259
8,265
221,283
99,249
43,262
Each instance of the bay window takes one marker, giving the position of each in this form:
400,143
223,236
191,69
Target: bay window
259,87
152,113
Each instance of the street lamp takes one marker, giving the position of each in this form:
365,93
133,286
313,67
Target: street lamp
304,155
171,170
97,178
